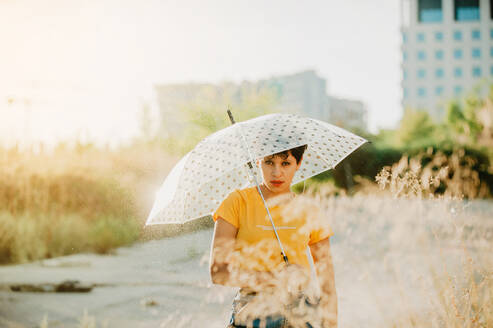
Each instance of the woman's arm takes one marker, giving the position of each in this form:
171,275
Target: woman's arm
223,242
221,271
325,272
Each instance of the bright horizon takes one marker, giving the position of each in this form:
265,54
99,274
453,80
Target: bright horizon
84,69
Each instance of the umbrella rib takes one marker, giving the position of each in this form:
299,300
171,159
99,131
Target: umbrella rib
359,145
179,179
332,126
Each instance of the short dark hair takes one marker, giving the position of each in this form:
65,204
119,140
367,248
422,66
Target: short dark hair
297,153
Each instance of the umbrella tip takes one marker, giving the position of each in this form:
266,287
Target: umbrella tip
230,115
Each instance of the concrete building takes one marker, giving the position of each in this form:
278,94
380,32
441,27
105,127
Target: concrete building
303,93
447,47
348,113
306,93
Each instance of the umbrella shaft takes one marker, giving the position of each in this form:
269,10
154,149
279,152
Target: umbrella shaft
284,257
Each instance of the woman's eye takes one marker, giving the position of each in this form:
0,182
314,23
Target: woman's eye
285,163
268,162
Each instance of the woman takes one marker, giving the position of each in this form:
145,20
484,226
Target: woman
245,252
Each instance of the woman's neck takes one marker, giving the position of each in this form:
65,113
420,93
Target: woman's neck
269,194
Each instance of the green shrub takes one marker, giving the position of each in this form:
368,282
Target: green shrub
110,232
370,159
34,236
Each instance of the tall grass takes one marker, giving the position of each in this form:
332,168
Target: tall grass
416,222
72,200
460,296
412,229
413,232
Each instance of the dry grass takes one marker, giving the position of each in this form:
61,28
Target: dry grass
460,296
74,200
423,236
86,321
415,233
442,176
406,261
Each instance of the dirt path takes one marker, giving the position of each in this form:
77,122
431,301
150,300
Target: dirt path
139,286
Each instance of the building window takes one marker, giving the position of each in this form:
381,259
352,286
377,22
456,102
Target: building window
491,33
457,53
476,35
420,37
458,72
404,55
457,35
405,93
476,53
476,71
421,55
430,11
457,90
439,54
421,73
404,37
466,10
421,92
491,70
439,73
439,90
491,52
404,74
439,36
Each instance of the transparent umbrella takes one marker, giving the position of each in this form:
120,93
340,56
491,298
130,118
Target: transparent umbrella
222,162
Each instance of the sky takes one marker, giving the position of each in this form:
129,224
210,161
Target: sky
83,69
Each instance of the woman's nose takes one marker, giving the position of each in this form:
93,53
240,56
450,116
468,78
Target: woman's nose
276,171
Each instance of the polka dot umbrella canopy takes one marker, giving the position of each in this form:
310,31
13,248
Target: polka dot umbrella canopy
219,163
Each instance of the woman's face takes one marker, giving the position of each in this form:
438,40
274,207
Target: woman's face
278,172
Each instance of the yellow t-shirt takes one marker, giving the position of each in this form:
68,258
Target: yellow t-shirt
298,223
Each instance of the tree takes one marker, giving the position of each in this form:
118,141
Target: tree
415,128
205,112
468,120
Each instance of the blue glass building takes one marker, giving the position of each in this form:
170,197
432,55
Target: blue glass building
447,49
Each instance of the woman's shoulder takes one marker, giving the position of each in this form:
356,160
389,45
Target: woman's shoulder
245,193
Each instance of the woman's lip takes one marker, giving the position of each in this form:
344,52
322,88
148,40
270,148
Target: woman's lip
277,182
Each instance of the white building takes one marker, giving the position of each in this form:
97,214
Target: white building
348,113
303,93
447,47
306,93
